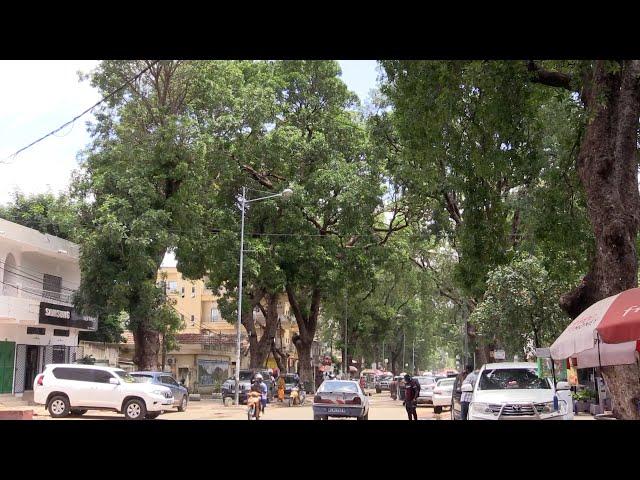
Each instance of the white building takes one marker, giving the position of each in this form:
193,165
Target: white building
38,325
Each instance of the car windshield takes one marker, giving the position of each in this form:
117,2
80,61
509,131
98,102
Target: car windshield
512,378
290,379
125,376
246,375
140,378
426,380
333,386
446,382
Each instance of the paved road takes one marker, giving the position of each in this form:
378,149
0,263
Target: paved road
382,408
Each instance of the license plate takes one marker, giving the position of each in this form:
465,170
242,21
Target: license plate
337,410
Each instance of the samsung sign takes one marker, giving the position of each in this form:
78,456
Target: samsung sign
64,316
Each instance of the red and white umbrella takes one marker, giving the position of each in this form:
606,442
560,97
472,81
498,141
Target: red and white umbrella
606,333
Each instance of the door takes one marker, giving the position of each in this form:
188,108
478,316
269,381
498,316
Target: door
169,382
30,367
103,393
7,353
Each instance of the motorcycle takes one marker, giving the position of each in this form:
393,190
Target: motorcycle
253,401
297,396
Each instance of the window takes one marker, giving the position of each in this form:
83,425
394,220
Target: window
101,376
193,320
140,378
173,286
214,314
182,318
52,286
193,291
77,374
57,356
168,381
60,332
36,331
512,378
182,292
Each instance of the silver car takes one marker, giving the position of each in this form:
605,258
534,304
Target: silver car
340,398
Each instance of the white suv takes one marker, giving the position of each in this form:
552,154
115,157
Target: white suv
71,389
513,391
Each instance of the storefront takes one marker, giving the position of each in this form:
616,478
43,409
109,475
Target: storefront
38,324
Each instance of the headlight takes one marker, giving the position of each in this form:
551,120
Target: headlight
478,408
159,392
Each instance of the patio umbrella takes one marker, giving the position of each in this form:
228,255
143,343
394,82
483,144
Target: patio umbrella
606,333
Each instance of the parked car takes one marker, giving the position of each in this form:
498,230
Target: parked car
442,392
427,383
383,382
513,391
246,377
180,393
72,389
340,398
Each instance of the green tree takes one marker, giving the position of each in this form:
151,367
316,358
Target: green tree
520,311
472,131
145,164
302,134
45,212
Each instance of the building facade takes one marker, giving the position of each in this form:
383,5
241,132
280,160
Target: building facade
206,354
39,275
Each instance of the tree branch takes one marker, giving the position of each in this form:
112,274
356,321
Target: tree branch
549,78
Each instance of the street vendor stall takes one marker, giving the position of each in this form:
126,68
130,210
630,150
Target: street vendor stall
607,333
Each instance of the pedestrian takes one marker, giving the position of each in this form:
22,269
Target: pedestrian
465,398
412,391
281,387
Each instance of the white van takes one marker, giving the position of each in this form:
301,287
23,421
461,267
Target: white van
71,389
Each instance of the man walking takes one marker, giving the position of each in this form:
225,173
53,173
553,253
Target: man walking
411,393
465,398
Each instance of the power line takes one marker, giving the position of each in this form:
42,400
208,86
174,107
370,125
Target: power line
104,99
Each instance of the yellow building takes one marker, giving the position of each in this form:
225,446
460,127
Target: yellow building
207,343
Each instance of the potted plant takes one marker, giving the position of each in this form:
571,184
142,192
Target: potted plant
583,398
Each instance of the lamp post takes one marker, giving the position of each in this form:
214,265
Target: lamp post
286,193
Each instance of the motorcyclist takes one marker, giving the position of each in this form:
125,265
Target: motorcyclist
262,388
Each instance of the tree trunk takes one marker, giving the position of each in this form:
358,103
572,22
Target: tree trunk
608,165
307,323
147,346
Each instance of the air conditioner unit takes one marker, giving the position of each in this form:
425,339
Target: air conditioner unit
170,361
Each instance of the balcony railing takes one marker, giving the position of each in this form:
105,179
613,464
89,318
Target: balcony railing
23,291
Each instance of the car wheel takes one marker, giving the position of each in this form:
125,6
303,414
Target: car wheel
78,412
183,404
135,409
437,409
59,406
363,417
152,415
378,390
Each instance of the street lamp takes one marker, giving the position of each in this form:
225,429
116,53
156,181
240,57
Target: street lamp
286,193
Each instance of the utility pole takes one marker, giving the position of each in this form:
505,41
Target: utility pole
346,361
403,349
413,362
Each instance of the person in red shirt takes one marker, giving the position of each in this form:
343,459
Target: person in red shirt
411,393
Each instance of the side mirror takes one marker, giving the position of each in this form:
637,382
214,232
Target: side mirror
467,387
114,381
563,386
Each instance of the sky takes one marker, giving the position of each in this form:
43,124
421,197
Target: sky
37,97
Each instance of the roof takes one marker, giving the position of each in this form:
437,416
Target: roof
49,243
193,338
81,365
504,365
